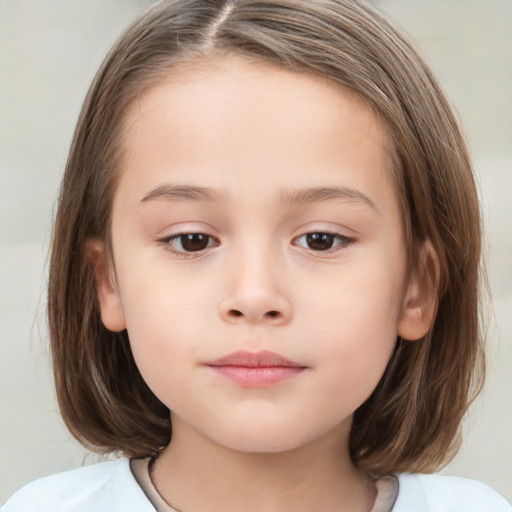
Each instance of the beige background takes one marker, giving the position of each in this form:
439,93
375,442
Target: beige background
49,51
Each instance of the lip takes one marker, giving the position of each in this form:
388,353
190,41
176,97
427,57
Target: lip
256,369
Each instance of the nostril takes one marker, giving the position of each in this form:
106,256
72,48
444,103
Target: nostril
236,313
273,314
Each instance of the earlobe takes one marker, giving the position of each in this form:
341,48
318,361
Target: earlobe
420,302
112,314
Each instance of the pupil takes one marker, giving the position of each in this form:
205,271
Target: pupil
194,242
320,241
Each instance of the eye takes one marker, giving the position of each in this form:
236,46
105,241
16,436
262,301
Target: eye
189,242
321,241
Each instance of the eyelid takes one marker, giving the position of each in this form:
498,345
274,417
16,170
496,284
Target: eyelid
165,242
346,241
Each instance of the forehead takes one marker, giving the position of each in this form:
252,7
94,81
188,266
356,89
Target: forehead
243,90
230,118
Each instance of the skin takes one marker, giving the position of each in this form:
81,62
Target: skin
258,136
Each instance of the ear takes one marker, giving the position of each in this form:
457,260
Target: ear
112,314
420,302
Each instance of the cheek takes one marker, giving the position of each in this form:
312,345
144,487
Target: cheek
160,301
162,321
366,298
354,318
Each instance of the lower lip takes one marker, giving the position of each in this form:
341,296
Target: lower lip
259,377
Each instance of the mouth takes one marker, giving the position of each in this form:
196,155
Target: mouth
256,369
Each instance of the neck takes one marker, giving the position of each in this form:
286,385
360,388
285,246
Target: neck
195,474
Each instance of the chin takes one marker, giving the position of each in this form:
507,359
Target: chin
266,439
263,446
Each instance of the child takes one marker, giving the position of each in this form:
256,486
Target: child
263,285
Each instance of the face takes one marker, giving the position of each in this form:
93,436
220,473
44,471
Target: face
258,253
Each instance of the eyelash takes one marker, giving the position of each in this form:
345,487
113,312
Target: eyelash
343,241
168,244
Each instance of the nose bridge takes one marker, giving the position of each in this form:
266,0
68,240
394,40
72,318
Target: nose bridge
255,288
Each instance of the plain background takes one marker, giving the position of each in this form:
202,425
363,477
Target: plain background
49,52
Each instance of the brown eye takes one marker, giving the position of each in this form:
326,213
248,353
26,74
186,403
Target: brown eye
319,241
194,242
191,242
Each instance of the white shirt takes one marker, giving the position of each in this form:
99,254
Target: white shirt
387,489
111,487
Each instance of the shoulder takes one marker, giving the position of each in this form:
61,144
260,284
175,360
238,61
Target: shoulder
436,493
103,487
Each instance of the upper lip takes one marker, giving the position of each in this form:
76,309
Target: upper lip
263,359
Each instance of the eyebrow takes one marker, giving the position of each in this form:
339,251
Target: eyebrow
313,195
169,192
183,193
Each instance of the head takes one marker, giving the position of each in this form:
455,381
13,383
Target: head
410,421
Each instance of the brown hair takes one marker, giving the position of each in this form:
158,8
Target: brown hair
411,421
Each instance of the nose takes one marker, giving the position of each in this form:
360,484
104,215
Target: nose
254,293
